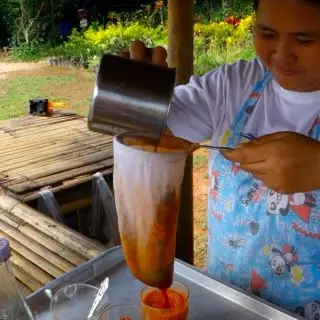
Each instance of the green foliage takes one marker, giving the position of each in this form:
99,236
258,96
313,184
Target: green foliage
217,43
92,43
31,52
78,46
222,35
208,11
31,21
117,37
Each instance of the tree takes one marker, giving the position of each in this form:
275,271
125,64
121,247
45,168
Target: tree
29,21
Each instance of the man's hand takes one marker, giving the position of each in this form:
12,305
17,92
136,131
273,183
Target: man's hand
286,162
138,51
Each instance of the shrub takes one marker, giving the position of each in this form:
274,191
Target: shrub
218,43
117,37
30,52
215,43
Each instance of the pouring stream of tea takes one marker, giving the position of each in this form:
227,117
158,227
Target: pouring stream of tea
166,298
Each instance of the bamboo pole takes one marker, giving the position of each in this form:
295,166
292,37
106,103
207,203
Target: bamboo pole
13,129
30,269
61,136
62,234
24,166
50,129
31,256
21,122
68,184
10,219
35,173
67,254
24,289
67,169
35,247
26,186
61,151
23,132
180,56
48,148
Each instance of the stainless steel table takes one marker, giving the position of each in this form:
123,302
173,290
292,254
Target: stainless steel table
209,298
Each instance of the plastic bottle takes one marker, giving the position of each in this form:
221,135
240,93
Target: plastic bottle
12,304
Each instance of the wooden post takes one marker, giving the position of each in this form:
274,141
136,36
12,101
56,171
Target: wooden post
180,51
180,56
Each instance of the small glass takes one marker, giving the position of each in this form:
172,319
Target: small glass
171,304
74,302
122,312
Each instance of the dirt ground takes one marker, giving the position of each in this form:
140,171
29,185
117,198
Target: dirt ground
6,67
78,93
200,187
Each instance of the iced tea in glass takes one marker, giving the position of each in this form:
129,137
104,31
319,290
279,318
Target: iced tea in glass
168,304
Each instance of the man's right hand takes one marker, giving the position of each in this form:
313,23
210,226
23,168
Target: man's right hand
138,51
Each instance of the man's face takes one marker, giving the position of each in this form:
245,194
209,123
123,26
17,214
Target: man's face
287,40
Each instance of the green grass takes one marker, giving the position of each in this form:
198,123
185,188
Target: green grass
18,91
72,87
82,104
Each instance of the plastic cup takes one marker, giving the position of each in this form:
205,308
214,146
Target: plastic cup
122,312
156,306
73,302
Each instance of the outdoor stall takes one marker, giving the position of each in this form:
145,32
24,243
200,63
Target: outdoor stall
135,265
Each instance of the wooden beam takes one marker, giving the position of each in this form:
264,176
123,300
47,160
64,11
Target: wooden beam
180,56
180,51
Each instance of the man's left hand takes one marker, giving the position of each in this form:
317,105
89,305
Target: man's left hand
287,162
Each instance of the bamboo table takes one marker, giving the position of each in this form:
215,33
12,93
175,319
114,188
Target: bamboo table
53,152
56,153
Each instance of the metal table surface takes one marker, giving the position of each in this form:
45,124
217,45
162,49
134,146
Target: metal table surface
209,298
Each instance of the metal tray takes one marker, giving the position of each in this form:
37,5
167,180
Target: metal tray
209,298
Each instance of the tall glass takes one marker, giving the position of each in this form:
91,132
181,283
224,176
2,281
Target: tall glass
170,304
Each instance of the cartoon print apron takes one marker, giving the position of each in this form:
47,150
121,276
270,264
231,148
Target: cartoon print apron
259,240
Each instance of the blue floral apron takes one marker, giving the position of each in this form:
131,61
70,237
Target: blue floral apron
259,240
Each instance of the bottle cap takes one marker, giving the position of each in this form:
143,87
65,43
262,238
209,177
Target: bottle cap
4,250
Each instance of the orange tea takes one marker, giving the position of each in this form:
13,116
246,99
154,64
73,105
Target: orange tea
169,304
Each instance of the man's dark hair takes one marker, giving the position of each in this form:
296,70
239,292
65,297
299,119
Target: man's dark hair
256,3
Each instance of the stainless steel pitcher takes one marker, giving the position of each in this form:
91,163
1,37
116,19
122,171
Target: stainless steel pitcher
131,95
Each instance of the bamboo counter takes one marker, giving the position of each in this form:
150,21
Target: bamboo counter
56,152
41,249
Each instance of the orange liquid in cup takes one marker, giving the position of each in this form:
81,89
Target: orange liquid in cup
169,304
